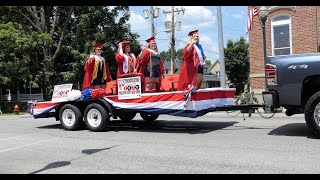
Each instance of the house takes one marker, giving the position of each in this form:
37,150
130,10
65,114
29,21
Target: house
289,30
210,78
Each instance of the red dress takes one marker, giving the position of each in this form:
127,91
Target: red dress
132,63
189,68
91,68
143,63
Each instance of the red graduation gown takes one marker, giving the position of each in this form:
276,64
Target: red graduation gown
143,63
89,69
189,69
120,60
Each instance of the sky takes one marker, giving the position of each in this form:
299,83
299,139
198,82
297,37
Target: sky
202,18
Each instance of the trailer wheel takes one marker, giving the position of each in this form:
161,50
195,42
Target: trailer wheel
312,113
96,117
127,116
148,116
70,117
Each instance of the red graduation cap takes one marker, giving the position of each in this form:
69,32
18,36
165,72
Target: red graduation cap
151,40
97,46
193,32
125,43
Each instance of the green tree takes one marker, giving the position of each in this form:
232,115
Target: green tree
105,25
237,63
62,38
18,59
53,22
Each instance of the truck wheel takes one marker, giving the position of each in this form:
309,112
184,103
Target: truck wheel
96,117
70,117
127,116
148,116
312,113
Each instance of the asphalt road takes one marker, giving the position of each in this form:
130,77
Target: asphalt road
214,143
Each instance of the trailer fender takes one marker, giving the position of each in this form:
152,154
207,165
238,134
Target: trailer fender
110,108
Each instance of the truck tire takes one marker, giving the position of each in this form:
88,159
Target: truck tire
70,117
312,113
148,116
127,116
96,117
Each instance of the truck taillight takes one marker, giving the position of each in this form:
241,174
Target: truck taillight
271,73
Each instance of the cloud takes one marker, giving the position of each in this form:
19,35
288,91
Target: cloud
138,22
239,15
202,18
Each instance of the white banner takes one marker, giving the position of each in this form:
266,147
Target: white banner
60,92
129,88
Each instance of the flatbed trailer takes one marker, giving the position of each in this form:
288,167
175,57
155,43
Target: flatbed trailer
96,113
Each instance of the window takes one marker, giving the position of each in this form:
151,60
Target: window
205,70
281,35
218,73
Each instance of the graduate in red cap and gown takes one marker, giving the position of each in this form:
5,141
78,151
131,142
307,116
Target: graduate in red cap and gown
127,62
150,64
97,73
191,72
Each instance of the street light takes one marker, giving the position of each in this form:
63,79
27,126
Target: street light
166,31
263,13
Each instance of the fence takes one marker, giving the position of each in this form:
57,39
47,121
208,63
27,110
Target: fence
22,97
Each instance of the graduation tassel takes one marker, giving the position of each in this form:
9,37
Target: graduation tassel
150,65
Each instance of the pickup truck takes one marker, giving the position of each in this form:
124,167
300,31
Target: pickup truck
293,82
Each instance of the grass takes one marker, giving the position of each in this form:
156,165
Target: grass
13,114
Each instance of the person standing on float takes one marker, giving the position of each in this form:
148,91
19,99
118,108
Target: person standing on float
191,72
97,73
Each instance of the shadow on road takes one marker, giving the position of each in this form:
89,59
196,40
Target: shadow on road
162,126
294,129
52,126
66,163
52,166
92,151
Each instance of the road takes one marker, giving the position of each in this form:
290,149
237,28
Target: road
214,143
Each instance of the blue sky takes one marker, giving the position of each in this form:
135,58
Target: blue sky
203,18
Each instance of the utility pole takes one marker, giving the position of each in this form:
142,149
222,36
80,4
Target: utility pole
172,42
151,19
221,49
173,25
153,13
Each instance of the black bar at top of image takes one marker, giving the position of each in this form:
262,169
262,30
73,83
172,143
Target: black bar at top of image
159,2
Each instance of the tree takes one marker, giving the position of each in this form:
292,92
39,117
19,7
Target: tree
237,63
51,21
62,38
18,47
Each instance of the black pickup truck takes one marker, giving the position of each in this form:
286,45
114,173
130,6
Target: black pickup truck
293,82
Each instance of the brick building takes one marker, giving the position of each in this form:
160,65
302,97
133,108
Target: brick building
289,30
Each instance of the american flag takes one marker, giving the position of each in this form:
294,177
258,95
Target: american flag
252,13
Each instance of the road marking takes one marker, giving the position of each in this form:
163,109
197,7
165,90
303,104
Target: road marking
15,137
26,145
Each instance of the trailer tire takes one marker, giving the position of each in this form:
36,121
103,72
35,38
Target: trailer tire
148,116
96,117
312,113
70,117
127,116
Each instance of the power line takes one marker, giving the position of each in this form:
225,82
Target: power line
205,20
203,49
